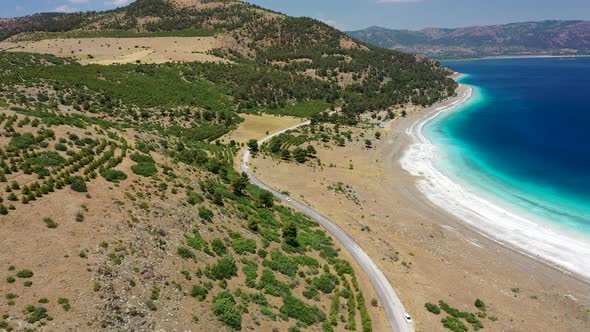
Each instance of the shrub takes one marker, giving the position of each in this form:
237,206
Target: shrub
454,324
199,292
142,158
268,313
61,147
225,268
479,304
50,223
38,314
218,247
194,198
326,283
281,263
205,214
151,305
10,279
144,169
78,184
242,245
226,310
113,175
24,274
433,308
65,303
297,309
185,253
342,267
79,217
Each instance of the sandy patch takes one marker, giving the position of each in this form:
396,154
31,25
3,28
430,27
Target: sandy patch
123,50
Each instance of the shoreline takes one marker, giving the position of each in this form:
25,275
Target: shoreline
506,57
425,252
479,214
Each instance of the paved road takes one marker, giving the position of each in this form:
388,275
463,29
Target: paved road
387,296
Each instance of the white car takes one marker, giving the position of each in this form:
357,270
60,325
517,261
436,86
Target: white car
289,199
408,318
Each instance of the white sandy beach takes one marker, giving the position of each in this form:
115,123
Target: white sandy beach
531,237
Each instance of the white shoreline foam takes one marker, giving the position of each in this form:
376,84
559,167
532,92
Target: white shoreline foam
527,236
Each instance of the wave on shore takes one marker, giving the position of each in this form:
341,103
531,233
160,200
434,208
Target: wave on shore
524,233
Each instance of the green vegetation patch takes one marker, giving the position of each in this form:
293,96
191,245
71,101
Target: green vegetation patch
144,169
243,245
281,263
21,141
117,34
113,175
303,109
46,158
297,309
224,269
227,311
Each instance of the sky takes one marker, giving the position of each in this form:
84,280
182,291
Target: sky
359,14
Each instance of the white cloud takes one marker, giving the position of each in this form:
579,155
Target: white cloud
64,9
117,2
333,23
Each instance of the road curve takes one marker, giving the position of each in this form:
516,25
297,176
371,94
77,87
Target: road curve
387,296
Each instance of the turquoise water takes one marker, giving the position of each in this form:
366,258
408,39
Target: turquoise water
523,139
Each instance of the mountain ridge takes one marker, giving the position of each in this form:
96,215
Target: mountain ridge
549,37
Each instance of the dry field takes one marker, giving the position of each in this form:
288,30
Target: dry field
258,126
107,51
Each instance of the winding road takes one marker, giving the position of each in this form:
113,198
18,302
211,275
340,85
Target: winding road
394,308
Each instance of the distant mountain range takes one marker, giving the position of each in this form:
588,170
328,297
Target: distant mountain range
529,38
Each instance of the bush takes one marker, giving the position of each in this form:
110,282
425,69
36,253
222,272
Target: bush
454,324
38,314
242,245
199,292
144,169
24,274
142,158
226,310
78,184
218,247
326,283
342,267
61,147
281,263
433,308
205,214
113,175
479,304
185,253
225,268
297,309
65,303
194,198
50,223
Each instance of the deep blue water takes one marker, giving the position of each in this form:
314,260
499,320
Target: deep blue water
525,136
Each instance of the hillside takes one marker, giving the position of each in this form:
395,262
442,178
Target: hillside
121,207
530,38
